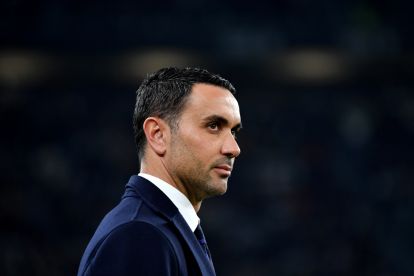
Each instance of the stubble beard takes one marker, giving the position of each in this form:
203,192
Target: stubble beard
199,182
196,179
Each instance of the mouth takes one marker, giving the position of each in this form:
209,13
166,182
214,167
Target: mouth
223,170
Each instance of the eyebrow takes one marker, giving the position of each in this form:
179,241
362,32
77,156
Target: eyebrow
222,120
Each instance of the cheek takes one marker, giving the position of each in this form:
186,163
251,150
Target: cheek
202,144
200,147
193,138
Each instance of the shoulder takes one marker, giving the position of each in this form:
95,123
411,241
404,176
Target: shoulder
134,247
137,231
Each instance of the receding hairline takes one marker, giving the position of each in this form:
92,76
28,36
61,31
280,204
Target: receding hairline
211,84
174,121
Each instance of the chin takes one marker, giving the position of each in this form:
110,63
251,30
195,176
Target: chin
216,187
219,188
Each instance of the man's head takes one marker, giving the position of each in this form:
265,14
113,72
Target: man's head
164,93
185,124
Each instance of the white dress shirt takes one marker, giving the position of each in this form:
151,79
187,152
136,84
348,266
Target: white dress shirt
178,198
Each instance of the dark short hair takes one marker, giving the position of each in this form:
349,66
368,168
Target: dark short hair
164,93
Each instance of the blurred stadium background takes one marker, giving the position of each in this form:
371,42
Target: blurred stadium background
324,185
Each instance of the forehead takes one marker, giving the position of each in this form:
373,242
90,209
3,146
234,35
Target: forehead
206,100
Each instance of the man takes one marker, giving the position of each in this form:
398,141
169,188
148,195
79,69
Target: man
185,124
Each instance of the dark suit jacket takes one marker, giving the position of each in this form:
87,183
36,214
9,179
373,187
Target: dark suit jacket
144,235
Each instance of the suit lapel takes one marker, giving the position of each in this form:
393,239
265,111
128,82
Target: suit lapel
192,242
163,205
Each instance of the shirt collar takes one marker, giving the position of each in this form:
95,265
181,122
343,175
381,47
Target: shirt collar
178,199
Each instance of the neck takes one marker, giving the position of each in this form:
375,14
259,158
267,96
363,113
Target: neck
160,172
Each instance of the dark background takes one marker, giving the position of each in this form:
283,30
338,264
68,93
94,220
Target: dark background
324,184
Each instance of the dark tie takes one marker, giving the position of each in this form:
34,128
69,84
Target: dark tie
202,240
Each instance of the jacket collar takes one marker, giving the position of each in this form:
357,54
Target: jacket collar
151,195
161,204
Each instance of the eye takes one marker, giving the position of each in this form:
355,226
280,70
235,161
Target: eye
234,133
213,126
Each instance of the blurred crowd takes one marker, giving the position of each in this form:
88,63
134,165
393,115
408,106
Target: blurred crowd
324,184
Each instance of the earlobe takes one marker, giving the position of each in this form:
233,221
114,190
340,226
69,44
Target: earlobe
155,132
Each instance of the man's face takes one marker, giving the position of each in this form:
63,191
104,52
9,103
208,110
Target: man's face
203,148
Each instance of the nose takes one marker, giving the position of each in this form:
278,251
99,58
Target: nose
230,147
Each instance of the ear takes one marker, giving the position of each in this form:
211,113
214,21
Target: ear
156,131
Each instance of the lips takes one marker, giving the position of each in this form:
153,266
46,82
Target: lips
223,170
224,167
